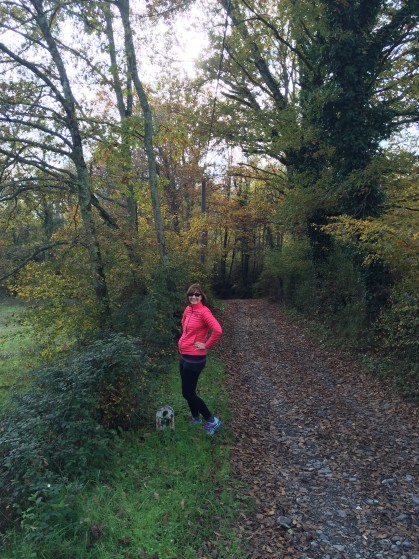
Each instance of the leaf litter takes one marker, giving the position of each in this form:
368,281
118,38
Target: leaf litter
329,455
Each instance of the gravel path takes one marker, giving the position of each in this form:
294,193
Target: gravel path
329,456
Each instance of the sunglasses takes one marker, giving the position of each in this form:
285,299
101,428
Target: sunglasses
194,294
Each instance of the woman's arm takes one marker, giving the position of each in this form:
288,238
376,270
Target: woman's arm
215,328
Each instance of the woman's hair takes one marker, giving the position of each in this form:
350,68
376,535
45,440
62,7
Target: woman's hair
196,288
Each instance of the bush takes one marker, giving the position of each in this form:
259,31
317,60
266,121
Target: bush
61,307
154,314
397,328
288,275
341,295
59,429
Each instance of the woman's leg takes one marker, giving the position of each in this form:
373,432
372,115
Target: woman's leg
189,374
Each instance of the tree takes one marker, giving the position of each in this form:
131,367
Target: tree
42,119
362,91
123,7
318,86
321,87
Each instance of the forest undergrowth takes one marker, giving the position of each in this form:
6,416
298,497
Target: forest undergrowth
315,458
158,495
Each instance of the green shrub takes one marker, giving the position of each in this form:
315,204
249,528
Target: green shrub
288,275
396,331
58,429
154,314
341,296
49,518
337,289
60,305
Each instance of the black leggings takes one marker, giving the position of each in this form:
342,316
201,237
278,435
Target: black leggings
190,367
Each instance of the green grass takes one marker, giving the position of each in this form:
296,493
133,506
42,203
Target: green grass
170,495
16,345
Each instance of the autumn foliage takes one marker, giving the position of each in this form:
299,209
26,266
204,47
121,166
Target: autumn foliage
283,167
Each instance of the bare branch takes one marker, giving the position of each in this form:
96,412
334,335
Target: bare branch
35,126
281,173
32,143
37,163
31,257
278,36
107,218
35,70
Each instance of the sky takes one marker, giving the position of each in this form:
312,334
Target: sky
190,40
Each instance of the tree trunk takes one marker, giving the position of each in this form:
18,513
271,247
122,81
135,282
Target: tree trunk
83,182
125,111
123,6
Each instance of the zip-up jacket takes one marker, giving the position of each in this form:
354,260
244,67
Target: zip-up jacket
197,322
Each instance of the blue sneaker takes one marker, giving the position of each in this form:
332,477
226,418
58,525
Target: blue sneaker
195,421
212,426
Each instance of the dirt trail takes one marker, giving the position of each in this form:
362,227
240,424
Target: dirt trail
330,456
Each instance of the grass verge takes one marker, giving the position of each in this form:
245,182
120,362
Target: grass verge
16,357
169,495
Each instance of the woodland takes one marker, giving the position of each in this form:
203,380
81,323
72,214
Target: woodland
284,165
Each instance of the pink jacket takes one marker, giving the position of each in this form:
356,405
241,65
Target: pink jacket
197,320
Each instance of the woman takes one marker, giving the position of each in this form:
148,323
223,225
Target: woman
197,322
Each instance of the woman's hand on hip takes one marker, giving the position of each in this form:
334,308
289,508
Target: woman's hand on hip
199,345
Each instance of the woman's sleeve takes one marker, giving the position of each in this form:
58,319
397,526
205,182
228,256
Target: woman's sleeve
215,328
